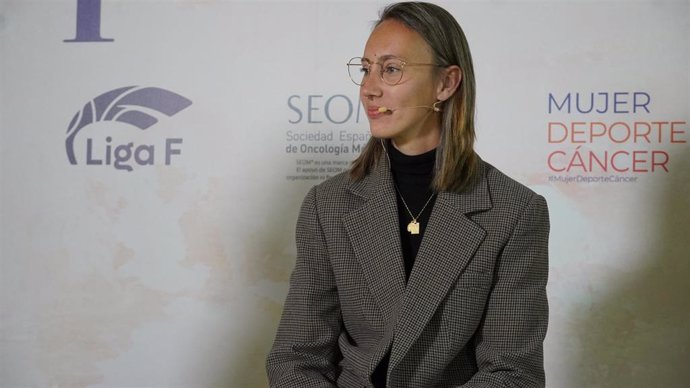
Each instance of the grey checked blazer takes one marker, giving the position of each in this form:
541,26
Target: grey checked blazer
473,312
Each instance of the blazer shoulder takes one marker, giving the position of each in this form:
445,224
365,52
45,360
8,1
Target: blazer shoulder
506,191
333,187
332,196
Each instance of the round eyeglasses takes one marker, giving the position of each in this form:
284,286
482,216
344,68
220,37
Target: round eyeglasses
390,69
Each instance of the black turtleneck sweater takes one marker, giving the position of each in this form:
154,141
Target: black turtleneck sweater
412,176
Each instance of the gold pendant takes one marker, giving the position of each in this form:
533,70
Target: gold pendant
413,227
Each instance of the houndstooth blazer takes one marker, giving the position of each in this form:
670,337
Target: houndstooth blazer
473,312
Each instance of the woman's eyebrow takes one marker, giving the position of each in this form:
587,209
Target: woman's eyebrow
382,57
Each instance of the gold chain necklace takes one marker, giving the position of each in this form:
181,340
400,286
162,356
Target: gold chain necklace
413,226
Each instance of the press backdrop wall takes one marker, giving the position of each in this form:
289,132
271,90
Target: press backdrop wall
154,155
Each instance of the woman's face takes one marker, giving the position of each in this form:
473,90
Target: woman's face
412,128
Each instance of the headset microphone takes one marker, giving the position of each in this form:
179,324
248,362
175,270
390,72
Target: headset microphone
433,107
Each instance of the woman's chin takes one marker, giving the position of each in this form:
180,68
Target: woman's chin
380,133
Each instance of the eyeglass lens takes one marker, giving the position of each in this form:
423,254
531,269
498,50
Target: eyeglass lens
390,71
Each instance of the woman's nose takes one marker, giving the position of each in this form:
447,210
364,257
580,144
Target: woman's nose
371,85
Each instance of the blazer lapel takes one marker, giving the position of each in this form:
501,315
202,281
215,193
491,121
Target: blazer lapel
373,232
449,242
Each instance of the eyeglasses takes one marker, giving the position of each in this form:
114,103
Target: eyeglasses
390,70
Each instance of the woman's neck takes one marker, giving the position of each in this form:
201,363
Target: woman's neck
417,145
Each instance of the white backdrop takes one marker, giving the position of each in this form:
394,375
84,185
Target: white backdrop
174,273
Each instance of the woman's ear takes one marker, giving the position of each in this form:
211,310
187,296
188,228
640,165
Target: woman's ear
449,82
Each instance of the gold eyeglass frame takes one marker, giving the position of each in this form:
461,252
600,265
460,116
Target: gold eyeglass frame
403,64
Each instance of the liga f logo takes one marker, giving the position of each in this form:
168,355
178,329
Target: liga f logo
131,105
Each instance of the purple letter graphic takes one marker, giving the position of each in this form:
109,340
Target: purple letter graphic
88,22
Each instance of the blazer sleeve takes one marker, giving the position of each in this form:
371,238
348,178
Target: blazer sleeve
509,342
305,352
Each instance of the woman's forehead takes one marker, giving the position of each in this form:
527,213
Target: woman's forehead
392,38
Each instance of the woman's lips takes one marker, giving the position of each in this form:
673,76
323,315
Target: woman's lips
377,111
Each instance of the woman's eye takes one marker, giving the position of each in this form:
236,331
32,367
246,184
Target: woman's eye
391,69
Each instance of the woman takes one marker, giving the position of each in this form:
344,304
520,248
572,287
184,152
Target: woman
423,266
